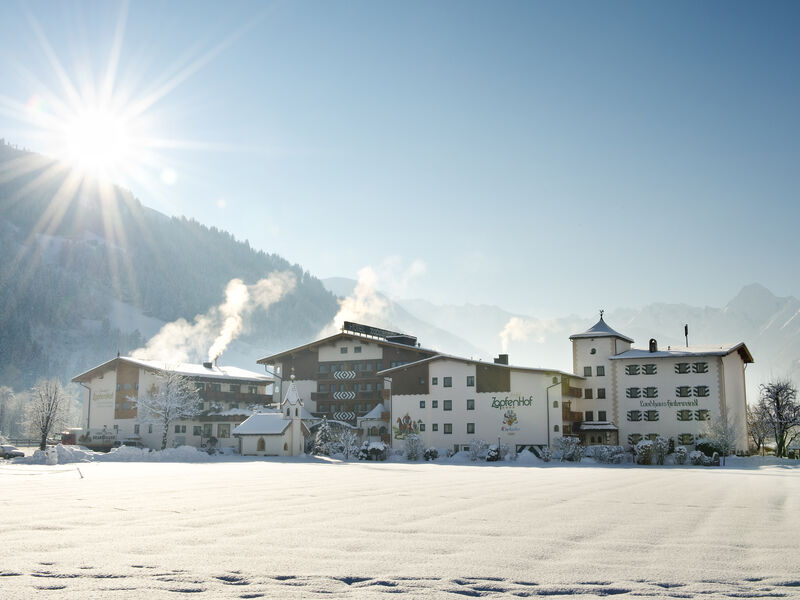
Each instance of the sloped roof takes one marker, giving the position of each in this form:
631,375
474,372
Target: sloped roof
263,423
292,396
688,352
186,369
342,335
374,414
472,361
600,329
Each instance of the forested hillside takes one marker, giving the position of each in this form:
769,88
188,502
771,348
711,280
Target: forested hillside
69,252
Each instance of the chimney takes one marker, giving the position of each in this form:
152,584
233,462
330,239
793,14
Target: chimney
653,345
502,359
208,365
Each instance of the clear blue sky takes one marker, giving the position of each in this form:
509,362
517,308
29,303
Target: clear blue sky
548,157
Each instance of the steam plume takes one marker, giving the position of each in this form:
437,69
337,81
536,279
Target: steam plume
210,333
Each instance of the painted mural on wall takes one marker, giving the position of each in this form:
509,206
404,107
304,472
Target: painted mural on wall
405,427
509,423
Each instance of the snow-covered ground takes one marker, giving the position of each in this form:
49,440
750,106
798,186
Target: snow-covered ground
306,528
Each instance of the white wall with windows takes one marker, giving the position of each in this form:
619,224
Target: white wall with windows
453,413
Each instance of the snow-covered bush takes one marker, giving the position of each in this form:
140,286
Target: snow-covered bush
546,454
363,452
609,454
493,454
431,454
570,449
348,444
660,449
643,451
697,458
477,450
372,451
680,455
413,447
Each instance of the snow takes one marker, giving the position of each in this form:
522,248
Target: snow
188,370
235,527
680,351
264,423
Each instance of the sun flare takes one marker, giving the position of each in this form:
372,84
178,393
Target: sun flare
97,141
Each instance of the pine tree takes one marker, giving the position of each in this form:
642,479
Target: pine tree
323,439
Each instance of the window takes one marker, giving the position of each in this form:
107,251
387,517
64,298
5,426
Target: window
136,429
422,381
555,403
323,368
357,350
701,391
343,350
252,389
683,391
601,415
470,427
633,392
207,430
216,387
470,404
378,366
119,387
180,428
150,428
649,369
634,438
600,371
422,403
422,426
593,351
199,386
589,415
651,415
235,387
684,415
601,393
223,430
234,405
435,381
447,382
435,427
631,369
651,392
555,428
652,437
470,380
634,415
702,415
323,388
448,405
686,439
448,428
700,367
434,404
587,371
197,430
587,393
681,367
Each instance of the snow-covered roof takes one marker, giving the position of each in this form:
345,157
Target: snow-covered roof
688,352
598,426
477,362
273,358
263,423
292,396
232,412
374,414
187,369
600,329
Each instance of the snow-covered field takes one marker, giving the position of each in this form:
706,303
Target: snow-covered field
238,528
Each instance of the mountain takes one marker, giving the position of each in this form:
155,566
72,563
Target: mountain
86,274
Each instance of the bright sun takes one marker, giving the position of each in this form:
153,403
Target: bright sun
97,141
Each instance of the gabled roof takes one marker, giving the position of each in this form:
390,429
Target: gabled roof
263,423
600,329
267,360
186,369
292,396
472,361
688,352
374,414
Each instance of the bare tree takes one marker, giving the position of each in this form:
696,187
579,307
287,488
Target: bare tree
350,443
47,409
782,412
173,398
757,426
